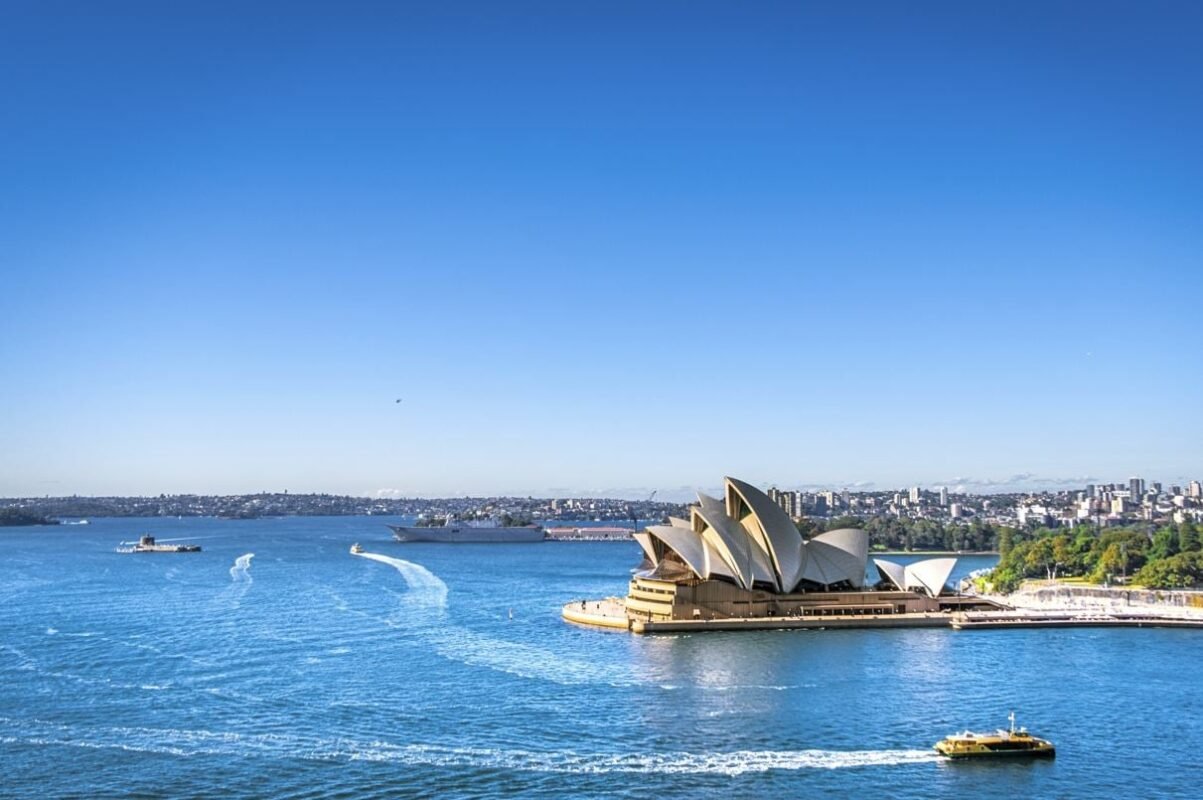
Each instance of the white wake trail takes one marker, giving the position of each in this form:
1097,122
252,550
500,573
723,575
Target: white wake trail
241,580
428,595
186,742
426,588
241,571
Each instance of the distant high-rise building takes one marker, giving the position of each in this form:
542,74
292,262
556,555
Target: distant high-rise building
943,496
954,511
914,494
1196,489
1091,491
1136,487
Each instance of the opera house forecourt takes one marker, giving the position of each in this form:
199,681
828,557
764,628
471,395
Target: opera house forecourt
740,563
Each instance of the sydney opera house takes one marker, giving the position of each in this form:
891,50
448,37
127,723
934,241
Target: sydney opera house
742,558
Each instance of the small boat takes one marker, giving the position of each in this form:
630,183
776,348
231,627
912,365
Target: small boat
1012,743
356,549
147,544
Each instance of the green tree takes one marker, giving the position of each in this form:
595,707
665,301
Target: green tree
1180,571
1005,541
807,527
1188,538
1165,544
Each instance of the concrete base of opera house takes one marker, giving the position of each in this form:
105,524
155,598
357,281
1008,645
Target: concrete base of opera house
655,606
611,613
607,613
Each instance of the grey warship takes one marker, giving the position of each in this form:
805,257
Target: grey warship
461,532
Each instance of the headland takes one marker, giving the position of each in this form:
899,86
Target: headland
740,563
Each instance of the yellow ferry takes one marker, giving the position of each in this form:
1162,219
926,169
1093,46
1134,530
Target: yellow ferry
999,743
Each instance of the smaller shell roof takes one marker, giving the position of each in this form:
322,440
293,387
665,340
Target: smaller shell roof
929,575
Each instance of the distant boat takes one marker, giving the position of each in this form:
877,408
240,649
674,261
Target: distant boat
147,545
462,532
356,549
1009,743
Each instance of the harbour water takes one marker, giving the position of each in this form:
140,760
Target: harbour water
276,664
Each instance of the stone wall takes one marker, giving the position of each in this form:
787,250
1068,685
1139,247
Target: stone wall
1043,595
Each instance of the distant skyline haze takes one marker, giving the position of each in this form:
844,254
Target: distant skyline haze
595,246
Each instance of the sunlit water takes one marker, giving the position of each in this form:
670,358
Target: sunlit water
277,664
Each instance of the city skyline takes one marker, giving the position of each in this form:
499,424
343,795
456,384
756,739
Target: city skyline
1013,485
591,248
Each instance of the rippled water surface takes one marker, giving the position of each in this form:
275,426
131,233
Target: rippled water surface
276,664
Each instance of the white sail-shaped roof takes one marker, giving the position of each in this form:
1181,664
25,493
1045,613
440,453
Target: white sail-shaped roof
716,564
685,543
748,562
930,574
645,542
895,573
749,540
836,557
773,528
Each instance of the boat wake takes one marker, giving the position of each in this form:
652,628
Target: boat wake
241,580
241,571
183,742
425,588
428,593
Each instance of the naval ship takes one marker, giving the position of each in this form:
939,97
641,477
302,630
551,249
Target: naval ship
453,531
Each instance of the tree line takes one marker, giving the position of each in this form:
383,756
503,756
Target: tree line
1170,557
900,533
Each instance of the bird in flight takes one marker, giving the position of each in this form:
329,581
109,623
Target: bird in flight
398,399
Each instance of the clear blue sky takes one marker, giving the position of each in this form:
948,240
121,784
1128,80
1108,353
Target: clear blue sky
597,246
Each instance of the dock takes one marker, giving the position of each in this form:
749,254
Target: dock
1076,619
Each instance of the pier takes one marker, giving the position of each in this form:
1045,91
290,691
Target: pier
1070,619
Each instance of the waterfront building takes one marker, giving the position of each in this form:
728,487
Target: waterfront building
741,558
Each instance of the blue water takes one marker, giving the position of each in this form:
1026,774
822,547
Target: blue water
303,671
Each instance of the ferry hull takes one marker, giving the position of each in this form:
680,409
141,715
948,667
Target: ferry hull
960,756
